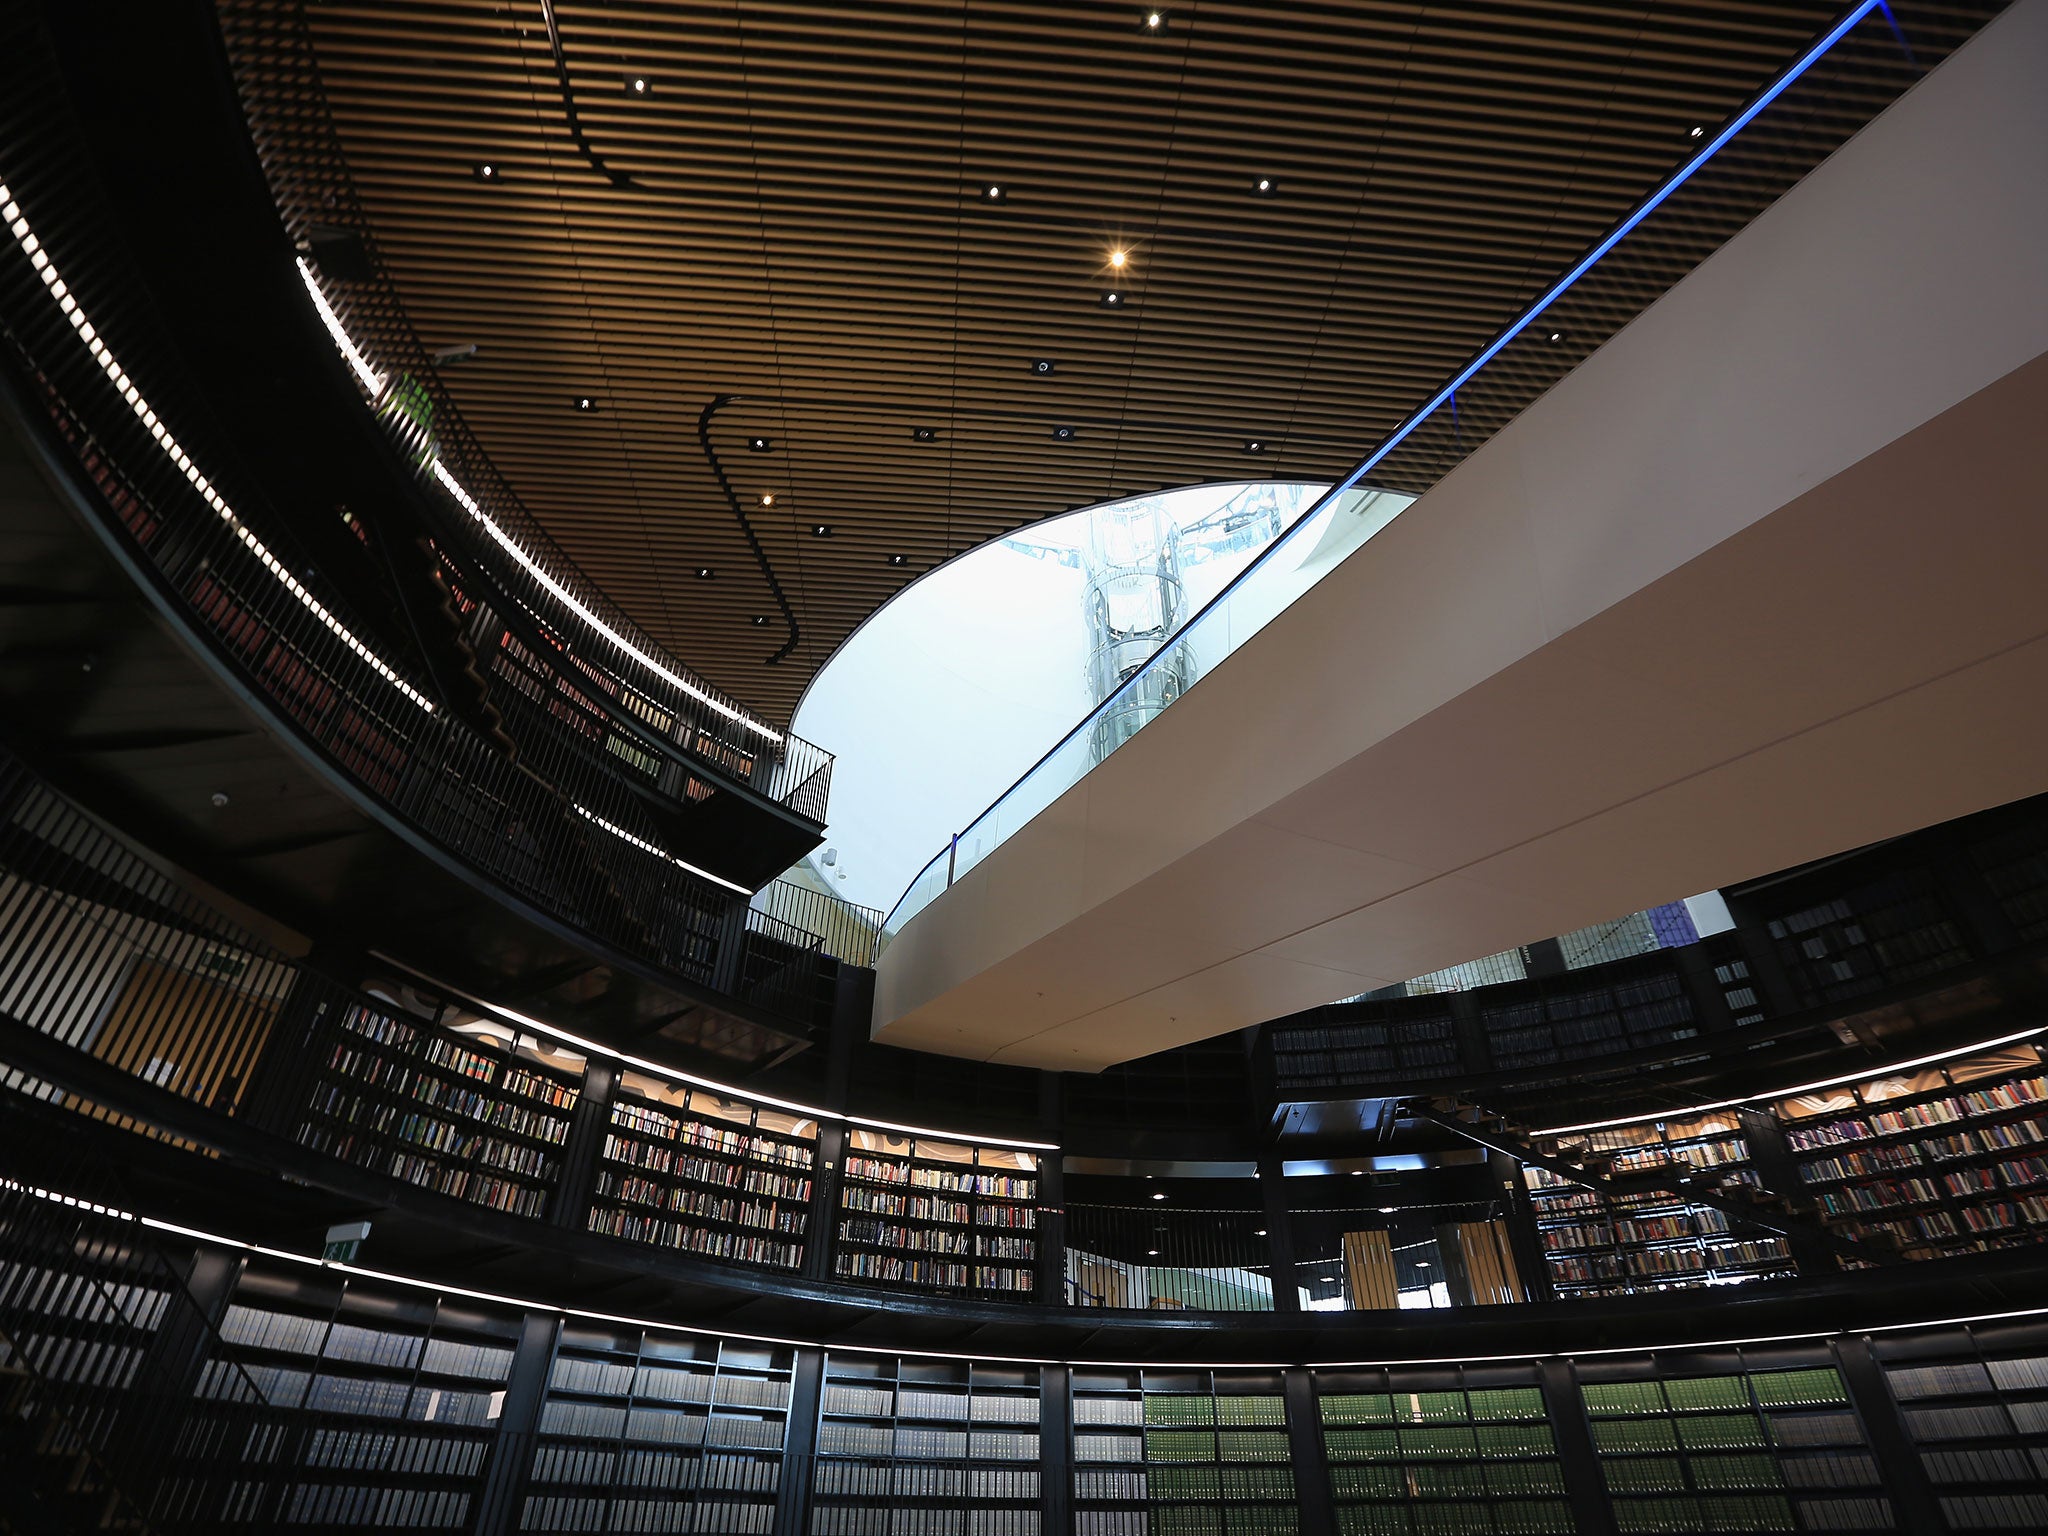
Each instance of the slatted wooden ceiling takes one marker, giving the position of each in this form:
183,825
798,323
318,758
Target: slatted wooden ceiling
802,228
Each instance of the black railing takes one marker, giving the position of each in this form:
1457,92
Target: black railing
1154,1257
849,932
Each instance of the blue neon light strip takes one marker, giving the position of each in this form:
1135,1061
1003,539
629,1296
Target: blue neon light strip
1529,316
1656,200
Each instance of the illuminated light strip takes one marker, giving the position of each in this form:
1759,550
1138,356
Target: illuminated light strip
673,1074
373,382
663,1325
646,847
17,225
1862,1076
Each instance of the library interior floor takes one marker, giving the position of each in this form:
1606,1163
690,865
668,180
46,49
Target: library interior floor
442,1088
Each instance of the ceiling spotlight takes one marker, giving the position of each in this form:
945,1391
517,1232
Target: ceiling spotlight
899,559
705,573
1255,445
767,498
923,434
1159,1197
219,798
1696,132
586,402
1155,21
1042,366
1422,1263
1556,337
1260,1233
821,530
1151,1253
1386,1210
1118,257
759,445
1112,300
994,192
637,85
760,621
1063,434
484,170
1265,186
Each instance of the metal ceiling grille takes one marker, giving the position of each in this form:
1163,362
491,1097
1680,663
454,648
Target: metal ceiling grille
792,213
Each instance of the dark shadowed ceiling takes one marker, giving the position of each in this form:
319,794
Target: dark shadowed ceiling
791,213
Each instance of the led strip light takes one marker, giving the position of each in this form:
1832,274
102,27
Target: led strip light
18,226
663,1325
373,384
646,847
1864,1075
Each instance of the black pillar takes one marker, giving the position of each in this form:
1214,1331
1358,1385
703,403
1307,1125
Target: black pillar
1592,1513
1468,1035
588,1128
1523,1240
1779,1171
1318,1510
1055,1450
1050,1275
821,1225
511,1453
1279,1233
800,1442
1898,1463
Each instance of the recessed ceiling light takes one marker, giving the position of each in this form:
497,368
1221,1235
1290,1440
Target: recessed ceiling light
994,192
767,498
899,559
1556,336
1151,1253
1159,1197
759,445
637,85
1155,21
821,530
760,620
705,573
1386,1210
1042,366
484,170
1422,1263
1697,131
1063,434
1255,445
1118,257
1265,186
1112,300
586,402
220,799
1260,1233
923,434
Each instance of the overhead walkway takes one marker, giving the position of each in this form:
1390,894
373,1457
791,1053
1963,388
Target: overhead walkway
1757,583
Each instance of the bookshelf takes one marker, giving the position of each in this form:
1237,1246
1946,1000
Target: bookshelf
644,1431
456,1113
936,1215
1449,1450
1975,1405
688,1168
1381,1040
1563,1021
1596,1244
1949,1159
1736,1451
910,1447
1181,1453
1888,931
383,1405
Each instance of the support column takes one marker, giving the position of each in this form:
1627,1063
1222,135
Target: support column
1318,1510
171,1364
1779,1171
1905,1479
1523,1240
800,1442
821,1226
1592,1514
511,1453
570,1206
1050,1276
1468,1034
1279,1233
1055,1450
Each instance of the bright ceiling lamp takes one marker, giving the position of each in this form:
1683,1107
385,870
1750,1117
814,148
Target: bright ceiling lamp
17,225
373,384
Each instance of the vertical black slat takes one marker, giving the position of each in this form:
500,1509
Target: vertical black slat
1905,1477
1592,1514
577,1180
1469,1035
800,1442
1779,1171
1695,968
1305,1450
821,1226
1055,1450
1520,1217
503,1485
176,1356
1050,1266
1279,1233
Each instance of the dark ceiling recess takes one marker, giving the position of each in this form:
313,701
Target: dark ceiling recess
808,228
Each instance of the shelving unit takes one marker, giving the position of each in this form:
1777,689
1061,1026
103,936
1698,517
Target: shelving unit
1181,1453
388,1407
1975,1404
910,1447
1950,1159
1600,1245
450,1112
659,1432
1461,1452
1735,1452
936,1215
1886,932
1394,1039
691,1169
1567,1020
